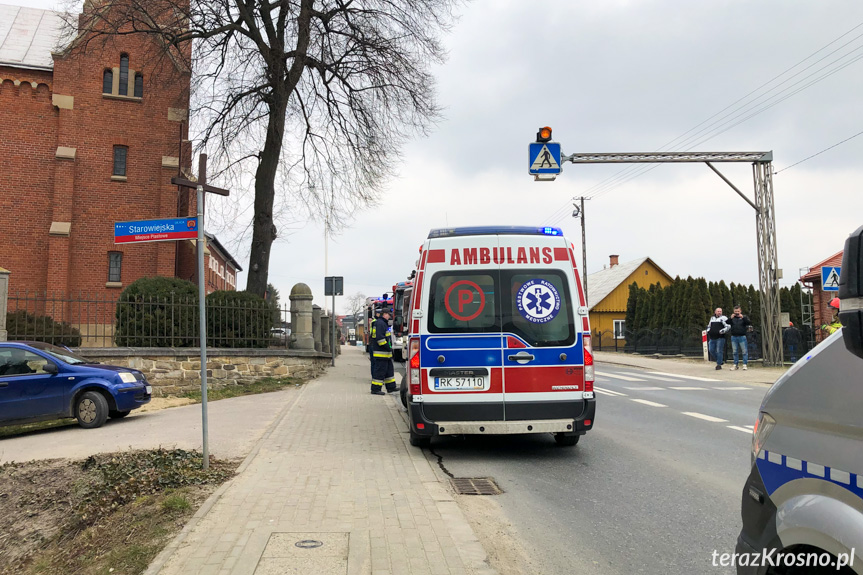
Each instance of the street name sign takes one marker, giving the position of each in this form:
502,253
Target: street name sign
543,158
156,230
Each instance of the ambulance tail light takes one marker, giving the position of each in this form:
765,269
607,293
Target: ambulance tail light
414,355
589,376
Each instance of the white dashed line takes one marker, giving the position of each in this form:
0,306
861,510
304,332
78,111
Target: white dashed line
645,388
736,428
688,388
645,402
732,388
749,427
608,392
686,376
615,376
705,417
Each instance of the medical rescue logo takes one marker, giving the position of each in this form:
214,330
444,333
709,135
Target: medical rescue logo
538,301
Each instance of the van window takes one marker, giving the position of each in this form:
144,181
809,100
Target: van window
537,307
463,302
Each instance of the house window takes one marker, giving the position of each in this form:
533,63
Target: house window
107,81
115,266
139,86
620,329
120,153
124,74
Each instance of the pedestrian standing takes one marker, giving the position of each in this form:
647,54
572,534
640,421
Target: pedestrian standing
383,371
791,338
834,324
716,329
739,325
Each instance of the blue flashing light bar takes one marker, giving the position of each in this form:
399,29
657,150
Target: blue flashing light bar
494,230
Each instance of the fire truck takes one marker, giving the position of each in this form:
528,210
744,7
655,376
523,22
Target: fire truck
373,306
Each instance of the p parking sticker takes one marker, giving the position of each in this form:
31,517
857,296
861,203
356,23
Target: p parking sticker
538,301
466,297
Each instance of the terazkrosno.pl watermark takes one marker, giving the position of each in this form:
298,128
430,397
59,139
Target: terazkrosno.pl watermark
774,558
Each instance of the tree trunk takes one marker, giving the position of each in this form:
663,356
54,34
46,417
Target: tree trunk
263,228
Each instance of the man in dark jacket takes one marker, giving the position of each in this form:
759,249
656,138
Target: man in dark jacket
383,372
740,324
791,338
716,336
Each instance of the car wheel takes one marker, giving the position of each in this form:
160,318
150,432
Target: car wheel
397,355
419,440
565,440
118,414
403,393
91,409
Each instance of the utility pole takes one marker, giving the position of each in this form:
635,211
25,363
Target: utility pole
578,212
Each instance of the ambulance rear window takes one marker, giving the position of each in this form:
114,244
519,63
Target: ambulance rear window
537,307
463,302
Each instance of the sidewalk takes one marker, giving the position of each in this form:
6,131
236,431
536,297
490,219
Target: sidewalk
334,468
692,367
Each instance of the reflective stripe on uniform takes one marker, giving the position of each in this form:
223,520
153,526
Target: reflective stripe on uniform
377,382
390,380
382,342
382,354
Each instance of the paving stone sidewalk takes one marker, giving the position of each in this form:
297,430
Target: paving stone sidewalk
332,487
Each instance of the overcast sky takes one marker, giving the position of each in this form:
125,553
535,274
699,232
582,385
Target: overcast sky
620,76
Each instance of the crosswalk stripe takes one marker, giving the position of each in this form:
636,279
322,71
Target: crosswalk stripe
645,402
749,427
648,376
686,376
687,388
615,376
705,417
608,392
736,428
733,388
645,388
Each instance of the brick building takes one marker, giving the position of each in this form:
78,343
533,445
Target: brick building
92,128
821,312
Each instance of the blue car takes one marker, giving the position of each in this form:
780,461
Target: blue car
40,381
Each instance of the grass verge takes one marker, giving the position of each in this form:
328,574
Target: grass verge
108,513
263,385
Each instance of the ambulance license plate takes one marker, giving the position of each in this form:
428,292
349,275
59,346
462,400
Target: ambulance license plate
459,383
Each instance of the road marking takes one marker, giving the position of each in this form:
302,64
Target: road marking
736,428
645,402
608,392
686,376
653,377
687,388
732,388
645,388
615,376
749,427
704,417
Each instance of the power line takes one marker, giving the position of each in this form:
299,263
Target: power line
819,153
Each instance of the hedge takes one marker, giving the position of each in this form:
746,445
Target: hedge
158,312
238,319
22,325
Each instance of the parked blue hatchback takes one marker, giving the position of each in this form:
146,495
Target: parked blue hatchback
40,381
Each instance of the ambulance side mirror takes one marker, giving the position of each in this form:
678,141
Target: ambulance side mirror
851,293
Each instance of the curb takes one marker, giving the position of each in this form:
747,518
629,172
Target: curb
165,554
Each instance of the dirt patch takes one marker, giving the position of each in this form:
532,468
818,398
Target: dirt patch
108,513
158,403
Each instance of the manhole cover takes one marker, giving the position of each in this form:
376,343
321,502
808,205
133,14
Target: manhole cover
476,486
308,544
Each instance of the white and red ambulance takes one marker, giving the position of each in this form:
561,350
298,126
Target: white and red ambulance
499,336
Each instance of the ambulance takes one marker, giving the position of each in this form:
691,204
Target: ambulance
499,336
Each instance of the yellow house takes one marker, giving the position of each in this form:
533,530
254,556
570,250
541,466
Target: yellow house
608,292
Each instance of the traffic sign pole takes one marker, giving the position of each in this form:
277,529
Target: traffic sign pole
202,314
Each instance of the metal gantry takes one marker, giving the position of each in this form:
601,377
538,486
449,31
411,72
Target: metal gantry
765,223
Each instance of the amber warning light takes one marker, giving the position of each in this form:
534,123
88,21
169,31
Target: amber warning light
544,134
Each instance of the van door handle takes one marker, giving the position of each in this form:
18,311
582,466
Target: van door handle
521,356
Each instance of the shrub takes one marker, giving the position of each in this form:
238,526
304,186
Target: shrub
238,319
158,312
23,325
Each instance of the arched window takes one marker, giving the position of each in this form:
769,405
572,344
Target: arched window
107,81
139,86
124,74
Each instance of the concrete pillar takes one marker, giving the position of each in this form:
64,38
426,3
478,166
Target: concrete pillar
325,332
4,296
316,327
301,317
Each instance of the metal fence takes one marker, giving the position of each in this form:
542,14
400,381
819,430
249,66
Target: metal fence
233,321
687,342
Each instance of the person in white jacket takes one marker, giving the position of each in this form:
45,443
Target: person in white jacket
716,328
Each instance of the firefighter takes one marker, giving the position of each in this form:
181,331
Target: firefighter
835,324
382,355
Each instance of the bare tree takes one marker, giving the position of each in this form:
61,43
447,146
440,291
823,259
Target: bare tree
356,303
313,98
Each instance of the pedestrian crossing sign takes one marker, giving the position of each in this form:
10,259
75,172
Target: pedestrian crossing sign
830,278
543,158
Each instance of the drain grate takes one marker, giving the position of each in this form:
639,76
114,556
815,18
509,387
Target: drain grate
476,486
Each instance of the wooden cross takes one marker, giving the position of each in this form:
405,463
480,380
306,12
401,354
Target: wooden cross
202,179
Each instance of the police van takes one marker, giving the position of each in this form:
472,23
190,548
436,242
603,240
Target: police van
802,504
499,336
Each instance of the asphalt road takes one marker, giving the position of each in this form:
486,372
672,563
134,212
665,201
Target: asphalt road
653,488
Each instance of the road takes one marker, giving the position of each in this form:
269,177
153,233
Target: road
653,488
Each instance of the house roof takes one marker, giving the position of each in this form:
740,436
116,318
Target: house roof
214,242
28,36
602,283
814,273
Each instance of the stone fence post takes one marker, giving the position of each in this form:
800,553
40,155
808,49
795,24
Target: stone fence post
4,296
325,332
316,327
301,317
